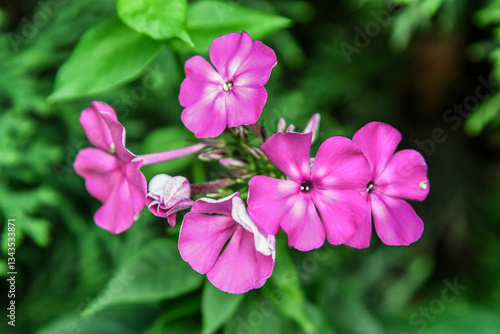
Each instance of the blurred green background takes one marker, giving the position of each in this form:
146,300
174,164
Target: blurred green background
431,68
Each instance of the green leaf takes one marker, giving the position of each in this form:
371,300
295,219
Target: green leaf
108,55
258,315
160,19
163,139
486,112
207,20
156,273
283,288
217,307
169,321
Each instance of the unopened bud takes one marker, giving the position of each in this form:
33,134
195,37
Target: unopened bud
232,163
167,195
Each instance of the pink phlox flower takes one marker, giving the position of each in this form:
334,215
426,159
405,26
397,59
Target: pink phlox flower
167,195
248,258
394,178
328,187
232,94
111,174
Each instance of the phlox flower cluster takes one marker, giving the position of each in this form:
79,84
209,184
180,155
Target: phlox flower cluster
335,194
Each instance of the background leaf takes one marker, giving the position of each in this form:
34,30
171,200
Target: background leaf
156,273
108,55
217,307
207,20
160,19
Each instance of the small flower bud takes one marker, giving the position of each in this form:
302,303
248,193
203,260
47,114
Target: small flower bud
167,195
232,163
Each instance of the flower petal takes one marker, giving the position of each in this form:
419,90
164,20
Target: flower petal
269,200
241,267
378,141
101,171
263,242
244,105
94,125
361,239
201,79
290,152
202,238
125,201
405,176
342,212
303,226
256,69
223,206
206,118
228,52
313,126
395,220
117,132
340,164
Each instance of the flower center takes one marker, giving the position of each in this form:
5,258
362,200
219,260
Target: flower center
112,149
370,187
227,86
306,186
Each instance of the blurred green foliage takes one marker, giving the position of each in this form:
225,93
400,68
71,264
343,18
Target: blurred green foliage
405,62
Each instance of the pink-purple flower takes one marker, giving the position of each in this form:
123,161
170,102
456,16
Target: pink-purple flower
233,94
394,178
329,187
167,195
245,262
110,171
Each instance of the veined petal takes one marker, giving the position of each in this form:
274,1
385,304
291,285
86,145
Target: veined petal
117,132
202,238
101,171
223,206
269,200
94,125
303,226
228,52
378,141
244,105
241,267
263,242
290,152
361,239
395,220
125,201
340,164
256,69
342,212
206,118
405,176
201,79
